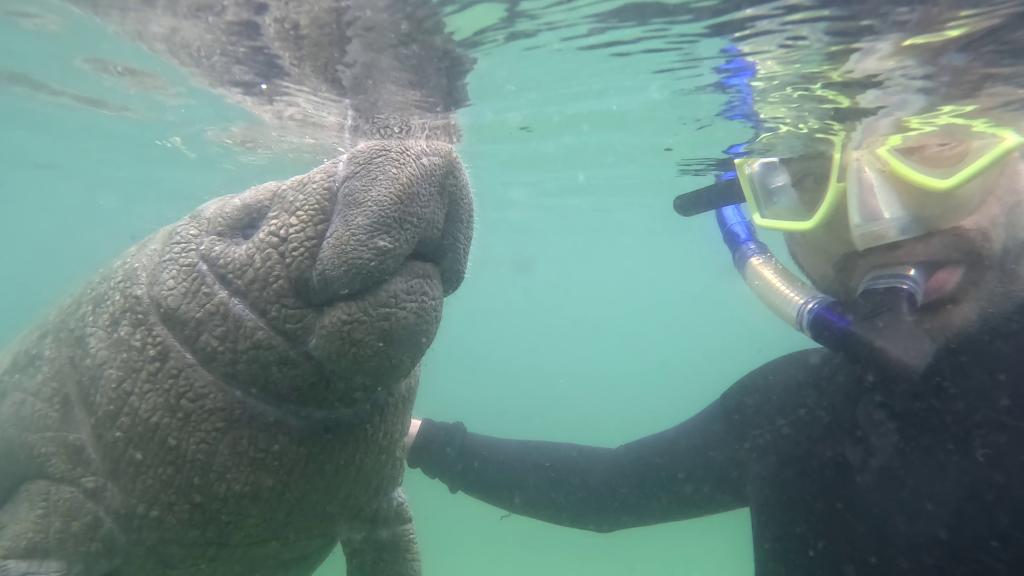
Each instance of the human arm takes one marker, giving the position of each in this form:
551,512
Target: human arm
701,466
692,469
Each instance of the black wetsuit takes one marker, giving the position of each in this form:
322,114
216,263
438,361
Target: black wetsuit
844,473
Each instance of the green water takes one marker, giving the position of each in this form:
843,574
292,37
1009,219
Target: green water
591,312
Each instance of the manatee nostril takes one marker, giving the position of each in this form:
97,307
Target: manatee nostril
250,228
246,222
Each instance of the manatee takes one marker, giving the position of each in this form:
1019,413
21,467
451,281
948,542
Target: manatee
230,396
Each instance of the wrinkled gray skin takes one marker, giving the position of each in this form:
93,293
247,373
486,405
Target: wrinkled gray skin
230,396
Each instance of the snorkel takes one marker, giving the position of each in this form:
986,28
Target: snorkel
877,328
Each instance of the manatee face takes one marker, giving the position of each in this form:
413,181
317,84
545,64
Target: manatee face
323,291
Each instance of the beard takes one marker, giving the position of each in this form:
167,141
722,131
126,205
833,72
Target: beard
993,308
988,300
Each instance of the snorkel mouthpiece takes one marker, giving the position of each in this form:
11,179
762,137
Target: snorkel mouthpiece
878,327
910,279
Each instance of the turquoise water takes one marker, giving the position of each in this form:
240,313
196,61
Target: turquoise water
591,313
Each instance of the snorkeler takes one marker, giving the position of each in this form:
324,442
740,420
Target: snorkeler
898,447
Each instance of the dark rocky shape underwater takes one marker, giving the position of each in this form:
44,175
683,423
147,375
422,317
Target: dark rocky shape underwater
230,397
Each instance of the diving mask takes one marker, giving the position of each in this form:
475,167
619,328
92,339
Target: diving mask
922,180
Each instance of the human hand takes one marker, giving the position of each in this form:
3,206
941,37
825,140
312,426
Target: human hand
414,428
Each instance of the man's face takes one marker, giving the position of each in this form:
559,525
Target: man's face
977,266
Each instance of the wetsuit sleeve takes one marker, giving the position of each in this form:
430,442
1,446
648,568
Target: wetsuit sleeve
692,469
701,466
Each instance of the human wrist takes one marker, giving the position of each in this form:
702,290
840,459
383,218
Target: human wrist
410,437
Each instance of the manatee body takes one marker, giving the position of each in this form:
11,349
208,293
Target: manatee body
231,395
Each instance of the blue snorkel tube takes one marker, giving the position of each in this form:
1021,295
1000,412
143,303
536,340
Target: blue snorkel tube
790,298
876,329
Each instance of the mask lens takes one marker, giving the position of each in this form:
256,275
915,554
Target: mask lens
789,189
945,152
929,181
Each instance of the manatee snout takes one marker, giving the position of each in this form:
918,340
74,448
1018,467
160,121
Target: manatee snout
395,204
334,279
397,243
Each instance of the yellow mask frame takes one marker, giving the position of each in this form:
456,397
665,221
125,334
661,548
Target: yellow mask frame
1008,141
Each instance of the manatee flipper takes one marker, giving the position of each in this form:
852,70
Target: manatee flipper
385,543
52,529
